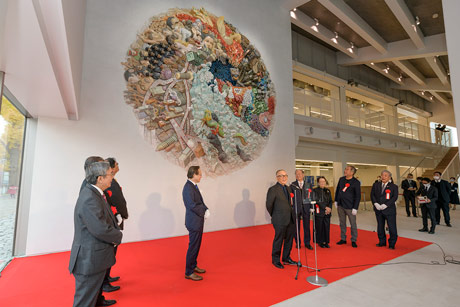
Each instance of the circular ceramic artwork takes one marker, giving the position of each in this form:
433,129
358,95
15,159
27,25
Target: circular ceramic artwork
200,91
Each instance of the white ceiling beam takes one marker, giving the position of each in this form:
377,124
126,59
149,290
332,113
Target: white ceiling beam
292,4
391,74
308,24
407,21
441,97
410,70
431,84
346,14
399,50
438,69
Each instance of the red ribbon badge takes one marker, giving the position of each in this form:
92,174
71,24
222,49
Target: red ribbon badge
292,196
388,193
346,187
317,209
309,191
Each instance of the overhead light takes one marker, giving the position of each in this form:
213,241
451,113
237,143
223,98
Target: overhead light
417,21
435,15
448,73
295,9
350,49
386,69
372,63
423,93
431,98
292,14
400,78
334,39
315,26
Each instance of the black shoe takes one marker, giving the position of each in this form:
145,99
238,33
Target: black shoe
326,245
289,261
308,246
431,232
408,215
391,247
423,229
353,244
449,225
380,244
322,245
110,288
297,246
112,279
278,265
107,303
341,242
437,223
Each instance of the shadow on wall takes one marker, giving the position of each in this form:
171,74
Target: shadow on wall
245,211
156,221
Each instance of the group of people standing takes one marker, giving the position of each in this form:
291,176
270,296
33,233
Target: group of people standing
98,224
434,195
289,204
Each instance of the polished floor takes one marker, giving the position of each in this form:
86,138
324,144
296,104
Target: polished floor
397,285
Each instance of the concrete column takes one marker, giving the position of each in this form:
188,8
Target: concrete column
335,104
343,106
391,119
452,24
337,171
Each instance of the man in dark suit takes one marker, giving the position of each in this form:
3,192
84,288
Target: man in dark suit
279,206
303,196
429,206
117,202
410,187
384,195
195,213
443,198
96,235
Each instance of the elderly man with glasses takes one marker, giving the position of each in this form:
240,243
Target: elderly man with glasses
279,206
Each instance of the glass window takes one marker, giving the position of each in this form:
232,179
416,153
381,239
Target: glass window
12,127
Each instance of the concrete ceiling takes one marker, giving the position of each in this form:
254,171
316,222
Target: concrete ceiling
404,40
41,53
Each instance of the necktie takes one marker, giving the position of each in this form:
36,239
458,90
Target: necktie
285,192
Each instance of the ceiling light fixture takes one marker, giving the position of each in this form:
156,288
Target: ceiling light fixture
352,46
315,26
435,15
334,39
386,69
431,98
423,92
400,78
417,21
372,63
295,9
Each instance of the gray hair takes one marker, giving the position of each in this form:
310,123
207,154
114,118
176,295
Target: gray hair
388,172
280,170
353,169
95,170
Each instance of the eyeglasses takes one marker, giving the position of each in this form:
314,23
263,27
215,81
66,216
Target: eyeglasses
281,175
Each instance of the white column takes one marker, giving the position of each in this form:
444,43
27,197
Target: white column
451,9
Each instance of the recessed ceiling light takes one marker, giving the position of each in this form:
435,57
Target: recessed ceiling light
435,15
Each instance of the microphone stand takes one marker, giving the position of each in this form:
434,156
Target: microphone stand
297,226
316,280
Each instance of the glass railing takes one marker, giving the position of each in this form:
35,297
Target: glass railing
309,103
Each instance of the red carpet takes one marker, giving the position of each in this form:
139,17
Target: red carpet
238,261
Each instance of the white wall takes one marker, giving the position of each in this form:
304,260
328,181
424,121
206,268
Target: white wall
152,185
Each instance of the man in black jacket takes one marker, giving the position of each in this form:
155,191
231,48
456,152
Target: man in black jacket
303,192
384,195
443,198
279,206
347,198
428,206
410,187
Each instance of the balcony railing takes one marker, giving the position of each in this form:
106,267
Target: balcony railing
314,105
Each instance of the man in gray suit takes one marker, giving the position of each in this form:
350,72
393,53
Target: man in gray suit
279,205
96,235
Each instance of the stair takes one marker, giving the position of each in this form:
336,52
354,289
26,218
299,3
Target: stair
442,165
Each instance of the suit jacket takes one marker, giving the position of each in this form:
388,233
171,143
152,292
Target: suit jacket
323,199
279,206
443,190
380,197
96,233
432,194
405,185
194,207
301,196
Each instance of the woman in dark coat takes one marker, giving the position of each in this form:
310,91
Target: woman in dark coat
322,209
454,193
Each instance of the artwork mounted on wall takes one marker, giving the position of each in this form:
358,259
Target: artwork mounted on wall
200,91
